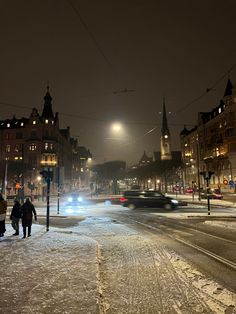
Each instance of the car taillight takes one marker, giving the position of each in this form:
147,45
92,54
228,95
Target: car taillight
123,199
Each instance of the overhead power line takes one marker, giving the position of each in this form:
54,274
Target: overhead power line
91,35
209,89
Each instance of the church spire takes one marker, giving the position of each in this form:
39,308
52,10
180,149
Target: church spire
165,136
164,129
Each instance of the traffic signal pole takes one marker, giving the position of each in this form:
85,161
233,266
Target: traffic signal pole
207,177
208,198
48,176
48,203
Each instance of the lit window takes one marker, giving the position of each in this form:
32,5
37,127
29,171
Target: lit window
46,146
8,125
8,148
34,122
185,144
52,122
219,110
17,148
82,169
22,123
51,146
32,147
21,158
16,158
166,136
46,121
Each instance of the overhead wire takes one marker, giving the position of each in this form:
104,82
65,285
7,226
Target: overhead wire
207,90
91,35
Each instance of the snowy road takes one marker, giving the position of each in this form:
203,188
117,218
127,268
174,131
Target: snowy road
99,262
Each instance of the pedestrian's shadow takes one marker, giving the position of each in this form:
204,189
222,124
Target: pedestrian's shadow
8,239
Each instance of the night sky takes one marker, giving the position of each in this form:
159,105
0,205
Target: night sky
94,54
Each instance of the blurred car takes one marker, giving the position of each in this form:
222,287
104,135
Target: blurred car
138,199
213,194
74,199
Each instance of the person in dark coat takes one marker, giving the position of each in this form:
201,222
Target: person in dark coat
15,216
27,211
3,212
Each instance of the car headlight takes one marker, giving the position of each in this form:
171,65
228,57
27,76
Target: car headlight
174,201
79,199
70,199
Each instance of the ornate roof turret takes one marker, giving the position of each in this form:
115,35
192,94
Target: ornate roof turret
145,159
228,89
184,131
47,109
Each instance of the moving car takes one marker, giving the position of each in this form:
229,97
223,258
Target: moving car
74,199
134,199
213,194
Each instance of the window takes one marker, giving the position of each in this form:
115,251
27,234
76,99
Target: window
8,125
18,135
7,136
46,121
33,134
17,148
22,124
32,147
8,148
46,146
34,122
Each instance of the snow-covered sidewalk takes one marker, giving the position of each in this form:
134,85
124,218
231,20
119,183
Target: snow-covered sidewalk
101,266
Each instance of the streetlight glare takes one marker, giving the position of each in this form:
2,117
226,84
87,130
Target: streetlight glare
116,127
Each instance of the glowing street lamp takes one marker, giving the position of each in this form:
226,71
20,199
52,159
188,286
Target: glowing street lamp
116,127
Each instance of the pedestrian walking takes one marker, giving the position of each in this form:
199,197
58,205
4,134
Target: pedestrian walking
15,216
3,212
27,211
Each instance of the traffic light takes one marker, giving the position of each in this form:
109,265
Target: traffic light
47,175
206,174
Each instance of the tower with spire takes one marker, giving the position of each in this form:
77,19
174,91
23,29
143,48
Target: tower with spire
165,137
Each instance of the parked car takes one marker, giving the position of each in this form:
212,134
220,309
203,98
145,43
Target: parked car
189,190
136,199
213,194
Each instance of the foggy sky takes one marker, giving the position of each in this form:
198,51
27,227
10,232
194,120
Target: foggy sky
90,51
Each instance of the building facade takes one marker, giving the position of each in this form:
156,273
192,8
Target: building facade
211,144
28,145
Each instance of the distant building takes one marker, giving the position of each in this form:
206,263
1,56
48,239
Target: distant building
163,170
27,145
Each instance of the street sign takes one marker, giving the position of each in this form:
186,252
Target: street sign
231,183
226,182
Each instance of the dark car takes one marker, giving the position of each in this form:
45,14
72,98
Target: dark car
74,199
213,194
134,199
